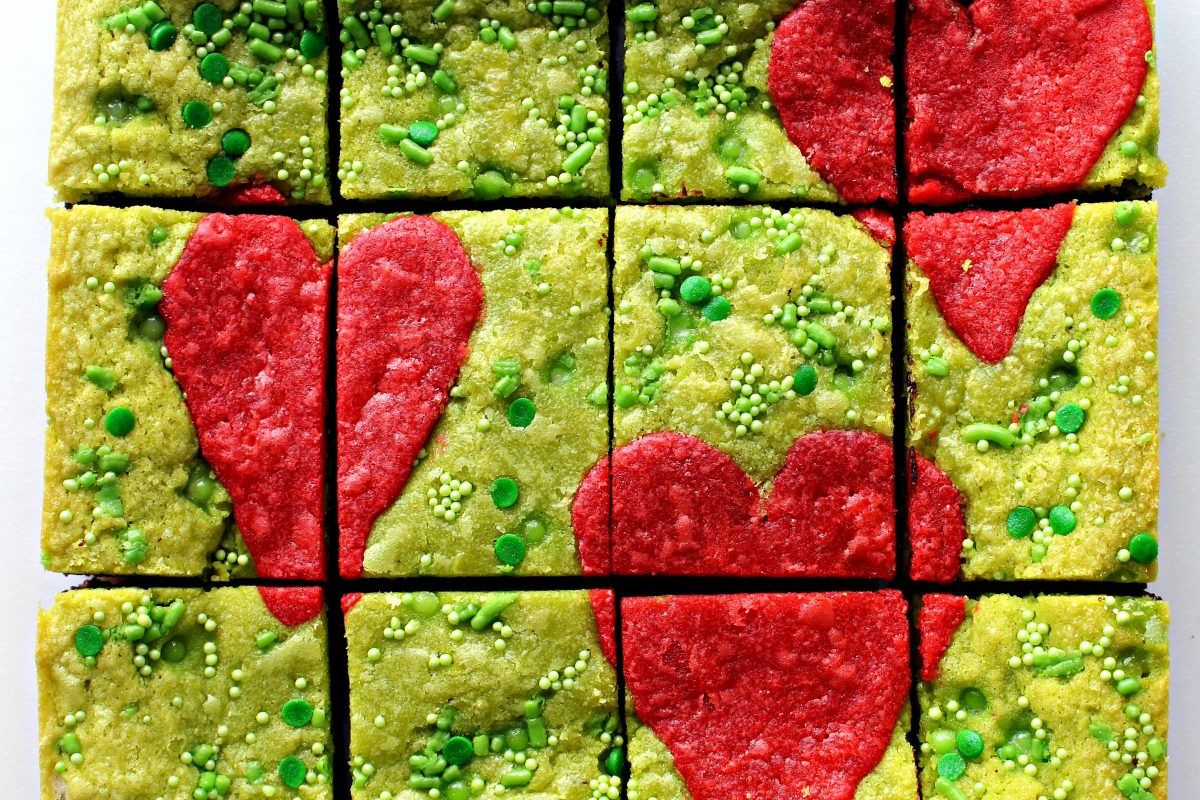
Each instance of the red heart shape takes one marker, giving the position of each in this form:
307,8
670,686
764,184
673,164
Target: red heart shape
1018,97
682,507
246,309
827,60
983,266
293,605
408,301
771,695
936,525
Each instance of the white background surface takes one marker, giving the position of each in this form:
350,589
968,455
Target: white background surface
26,56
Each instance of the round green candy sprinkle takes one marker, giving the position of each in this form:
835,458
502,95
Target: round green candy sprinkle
1070,418
614,762
951,766
221,171
214,67
804,382
970,743
1062,520
292,772
458,750
174,651
1106,303
695,289
491,185
1021,521
162,36
716,309
423,132
297,713
89,641
505,492
207,18
196,114
235,143
1143,548
510,549
534,530
159,235
521,412
1129,148
1125,213
312,44
1128,686
119,421
942,741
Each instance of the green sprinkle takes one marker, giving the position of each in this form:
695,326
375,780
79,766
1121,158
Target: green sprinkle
1070,418
973,700
423,132
159,235
664,265
266,640
1062,520
196,114
510,550
458,750
134,546
505,492
1106,303
89,641
569,8
421,54
951,766
264,51
579,159
270,8
119,421
521,412
520,776
508,40
1129,148
235,143
970,743
614,762
1021,522
937,366
221,171
739,176
297,713
695,289
445,81
490,611
1128,686
824,338
174,651
207,18
162,36
716,309
292,772
443,10
790,243
642,12
1143,548
102,377
491,185
392,134
804,382
1126,213
948,790
214,67
986,432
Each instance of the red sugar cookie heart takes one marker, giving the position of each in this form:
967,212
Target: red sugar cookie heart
245,309
1017,97
293,605
771,695
828,58
408,300
983,266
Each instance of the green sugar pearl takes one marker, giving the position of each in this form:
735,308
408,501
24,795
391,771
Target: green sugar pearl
1106,303
1143,548
510,549
89,641
196,114
119,421
521,412
1021,522
505,492
297,713
292,772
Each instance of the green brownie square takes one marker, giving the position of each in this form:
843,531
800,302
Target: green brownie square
749,339
492,460
505,694
1048,696
1032,348
177,98
467,98
127,486
183,693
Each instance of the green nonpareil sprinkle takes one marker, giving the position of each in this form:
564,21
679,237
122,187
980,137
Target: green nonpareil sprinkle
415,153
421,54
987,432
579,159
491,610
103,377
443,10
